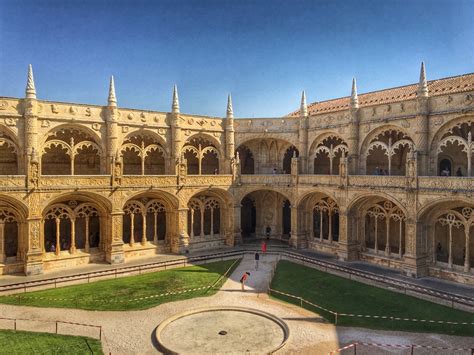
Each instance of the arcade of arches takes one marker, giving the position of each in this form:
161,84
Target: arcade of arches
82,183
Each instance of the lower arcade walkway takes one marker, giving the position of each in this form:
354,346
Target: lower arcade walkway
132,332
432,283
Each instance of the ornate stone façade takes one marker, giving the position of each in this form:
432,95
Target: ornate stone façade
358,177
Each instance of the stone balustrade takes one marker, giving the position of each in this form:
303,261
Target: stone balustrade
266,179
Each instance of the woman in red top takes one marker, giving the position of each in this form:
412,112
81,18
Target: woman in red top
264,247
243,279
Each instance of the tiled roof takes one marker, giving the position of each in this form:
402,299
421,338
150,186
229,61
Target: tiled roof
438,87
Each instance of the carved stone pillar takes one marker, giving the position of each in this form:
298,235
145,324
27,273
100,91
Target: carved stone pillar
421,136
297,240
229,145
3,255
353,143
114,252
303,144
415,260
467,262
180,242
34,254
237,227
112,138
176,140
348,247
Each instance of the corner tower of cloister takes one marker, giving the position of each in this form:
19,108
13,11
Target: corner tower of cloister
384,177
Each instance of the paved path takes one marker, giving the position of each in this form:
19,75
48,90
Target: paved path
430,282
132,332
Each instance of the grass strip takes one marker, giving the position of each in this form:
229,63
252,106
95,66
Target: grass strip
22,342
347,296
121,294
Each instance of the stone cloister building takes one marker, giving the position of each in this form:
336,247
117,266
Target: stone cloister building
384,177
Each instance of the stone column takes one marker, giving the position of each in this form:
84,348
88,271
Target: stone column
348,248
303,135
58,235
176,141
415,264
330,226
180,244
201,210
3,255
421,134
297,240
237,227
112,137
387,236
353,134
144,229
72,250
34,255
114,252
87,242
155,228
229,138
467,262
132,229
191,235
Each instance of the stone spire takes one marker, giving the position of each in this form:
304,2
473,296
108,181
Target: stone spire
112,100
230,111
30,84
422,85
354,97
304,106
175,104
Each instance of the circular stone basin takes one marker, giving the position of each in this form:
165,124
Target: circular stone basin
222,330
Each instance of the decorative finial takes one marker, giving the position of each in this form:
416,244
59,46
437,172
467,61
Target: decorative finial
112,99
30,84
230,111
304,107
175,105
354,97
422,85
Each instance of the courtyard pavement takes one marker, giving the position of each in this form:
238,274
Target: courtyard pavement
132,332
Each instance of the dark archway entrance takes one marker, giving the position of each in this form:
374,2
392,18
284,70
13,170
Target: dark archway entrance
248,218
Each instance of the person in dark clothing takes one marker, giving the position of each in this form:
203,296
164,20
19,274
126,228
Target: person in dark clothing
257,258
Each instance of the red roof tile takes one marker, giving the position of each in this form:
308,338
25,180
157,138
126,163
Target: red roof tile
437,87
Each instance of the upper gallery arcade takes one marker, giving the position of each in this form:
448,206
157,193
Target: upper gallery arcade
384,177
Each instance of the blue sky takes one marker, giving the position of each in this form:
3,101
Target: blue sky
263,52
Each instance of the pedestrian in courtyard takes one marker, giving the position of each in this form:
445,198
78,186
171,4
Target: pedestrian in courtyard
244,278
257,258
264,247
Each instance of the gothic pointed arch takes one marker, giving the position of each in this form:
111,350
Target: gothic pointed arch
202,155
9,153
325,154
385,150
452,148
247,159
143,153
268,212
270,154
448,233
148,220
71,150
379,224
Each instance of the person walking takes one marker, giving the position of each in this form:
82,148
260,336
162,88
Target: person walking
257,258
244,278
264,247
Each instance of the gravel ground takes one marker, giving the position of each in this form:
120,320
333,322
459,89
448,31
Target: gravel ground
133,332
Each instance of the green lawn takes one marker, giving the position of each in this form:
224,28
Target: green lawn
118,294
346,296
20,342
